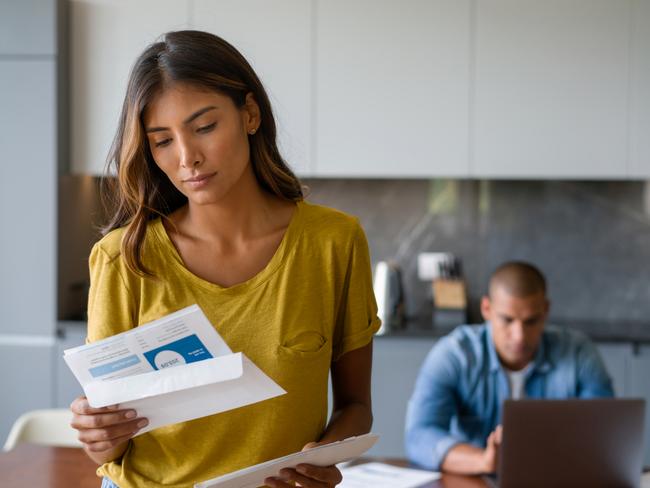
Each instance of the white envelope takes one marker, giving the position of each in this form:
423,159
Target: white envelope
327,455
187,392
198,388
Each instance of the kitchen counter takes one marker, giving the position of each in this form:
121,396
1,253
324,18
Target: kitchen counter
637,332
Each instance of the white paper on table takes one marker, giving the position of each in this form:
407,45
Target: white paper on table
117,371
380,475
326,455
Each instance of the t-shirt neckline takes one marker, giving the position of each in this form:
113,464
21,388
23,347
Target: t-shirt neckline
285,247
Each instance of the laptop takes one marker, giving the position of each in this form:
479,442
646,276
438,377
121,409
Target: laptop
571,443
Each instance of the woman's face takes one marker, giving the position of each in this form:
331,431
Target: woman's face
199,139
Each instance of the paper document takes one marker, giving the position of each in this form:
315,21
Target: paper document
171,370
327,455
380,475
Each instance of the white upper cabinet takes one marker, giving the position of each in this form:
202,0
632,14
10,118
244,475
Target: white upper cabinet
392,88
640,96
554,89
106,38
275,37
551,89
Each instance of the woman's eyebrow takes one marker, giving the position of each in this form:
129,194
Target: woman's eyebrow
196,114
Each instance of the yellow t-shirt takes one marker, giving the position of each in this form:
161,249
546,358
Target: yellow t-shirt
312,303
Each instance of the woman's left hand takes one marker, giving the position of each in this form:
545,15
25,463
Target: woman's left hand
307,475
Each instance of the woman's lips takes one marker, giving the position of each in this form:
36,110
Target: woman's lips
200,181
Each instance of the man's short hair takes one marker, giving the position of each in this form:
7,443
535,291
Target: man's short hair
518,278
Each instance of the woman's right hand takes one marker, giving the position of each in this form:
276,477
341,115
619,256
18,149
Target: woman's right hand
104,429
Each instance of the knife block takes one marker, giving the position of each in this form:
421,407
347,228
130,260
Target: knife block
449,303
449,294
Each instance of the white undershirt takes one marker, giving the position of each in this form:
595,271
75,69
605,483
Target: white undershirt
517,381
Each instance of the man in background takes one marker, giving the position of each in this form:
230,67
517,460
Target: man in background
453,416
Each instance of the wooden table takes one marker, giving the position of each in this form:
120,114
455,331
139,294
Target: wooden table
29,465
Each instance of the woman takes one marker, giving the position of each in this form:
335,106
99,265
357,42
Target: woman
207,212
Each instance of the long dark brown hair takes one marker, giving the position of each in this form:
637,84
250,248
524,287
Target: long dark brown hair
141,191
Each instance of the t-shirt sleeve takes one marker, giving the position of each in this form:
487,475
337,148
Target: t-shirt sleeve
111,305
357,319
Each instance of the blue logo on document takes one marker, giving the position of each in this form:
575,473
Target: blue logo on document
186,350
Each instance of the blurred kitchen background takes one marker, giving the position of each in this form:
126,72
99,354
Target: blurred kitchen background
489,129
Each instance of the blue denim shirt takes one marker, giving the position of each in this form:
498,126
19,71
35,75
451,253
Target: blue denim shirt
461,387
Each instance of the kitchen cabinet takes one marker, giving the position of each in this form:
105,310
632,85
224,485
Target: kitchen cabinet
497,89
551,89
392,88
640,95
639,387
396,363
106,38
28,28
616,357
276,40
628,365
28,196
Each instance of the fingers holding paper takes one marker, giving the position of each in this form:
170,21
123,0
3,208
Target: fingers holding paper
101,429
307,475
331,476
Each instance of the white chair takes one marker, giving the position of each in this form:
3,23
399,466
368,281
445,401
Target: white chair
44,427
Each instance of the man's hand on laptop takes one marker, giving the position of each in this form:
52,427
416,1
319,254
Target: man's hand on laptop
491,452
470,459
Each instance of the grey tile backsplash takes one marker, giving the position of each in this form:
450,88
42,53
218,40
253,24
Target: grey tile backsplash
591,239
